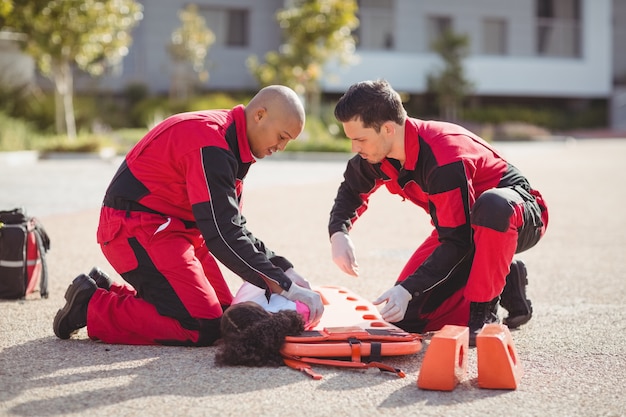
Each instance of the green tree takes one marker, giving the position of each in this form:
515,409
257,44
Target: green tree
5,7
188,49
314,31
63,34
450,85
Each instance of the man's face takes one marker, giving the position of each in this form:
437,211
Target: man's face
271,132
370,145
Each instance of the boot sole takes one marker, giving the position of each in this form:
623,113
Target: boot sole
515,321
71,294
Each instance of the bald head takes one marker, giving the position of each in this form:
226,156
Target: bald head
282,98
274,116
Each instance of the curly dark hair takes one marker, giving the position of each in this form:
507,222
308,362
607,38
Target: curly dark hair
252,336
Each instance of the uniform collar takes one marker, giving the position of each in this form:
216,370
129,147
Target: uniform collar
239,117
411,144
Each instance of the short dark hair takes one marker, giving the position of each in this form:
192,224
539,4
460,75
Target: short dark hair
252,336
373,102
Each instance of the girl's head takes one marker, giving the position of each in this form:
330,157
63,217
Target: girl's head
252,336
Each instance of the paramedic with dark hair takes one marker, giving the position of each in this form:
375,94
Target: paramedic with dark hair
171,210
482,208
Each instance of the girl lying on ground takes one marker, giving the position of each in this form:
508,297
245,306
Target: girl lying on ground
253,329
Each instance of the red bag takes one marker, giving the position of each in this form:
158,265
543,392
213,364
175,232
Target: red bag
23,247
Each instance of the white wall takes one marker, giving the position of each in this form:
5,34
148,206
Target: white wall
518,74
149,63
411,17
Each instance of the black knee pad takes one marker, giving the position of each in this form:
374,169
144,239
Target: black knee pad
492,210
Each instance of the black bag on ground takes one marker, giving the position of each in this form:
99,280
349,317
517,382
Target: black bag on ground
23,247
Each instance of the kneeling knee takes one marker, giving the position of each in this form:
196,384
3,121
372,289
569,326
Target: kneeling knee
492,210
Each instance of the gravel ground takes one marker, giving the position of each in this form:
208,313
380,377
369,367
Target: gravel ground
573,350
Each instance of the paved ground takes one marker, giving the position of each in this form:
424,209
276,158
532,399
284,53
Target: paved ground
573,351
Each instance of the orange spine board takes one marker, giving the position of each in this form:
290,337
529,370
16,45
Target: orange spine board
346,317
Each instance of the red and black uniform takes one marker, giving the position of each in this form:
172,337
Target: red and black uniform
174,205
483,210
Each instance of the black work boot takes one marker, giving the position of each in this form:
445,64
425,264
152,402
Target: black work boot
102,278
481,314
513,297
73,315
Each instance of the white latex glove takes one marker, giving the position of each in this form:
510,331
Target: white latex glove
297,278
342,250
309,297
397,299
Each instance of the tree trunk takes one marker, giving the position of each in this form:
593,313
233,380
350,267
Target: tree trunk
68,105
181,82
59,114
64,105
314,101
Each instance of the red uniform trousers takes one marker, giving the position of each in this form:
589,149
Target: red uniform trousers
178,292
505,221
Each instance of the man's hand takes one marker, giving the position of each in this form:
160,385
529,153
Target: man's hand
297,278
342,250
397,299
309,297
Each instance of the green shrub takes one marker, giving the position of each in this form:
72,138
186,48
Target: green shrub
14,101
40,112
84,142
321,134
592,115
135,92
150,111
125,139
153,109
319,137
16,134
216,101
503,114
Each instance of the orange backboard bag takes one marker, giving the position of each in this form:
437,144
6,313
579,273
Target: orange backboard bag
350,334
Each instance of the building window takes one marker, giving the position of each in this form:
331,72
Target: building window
230,26
375,30
437,26
495,37
558,28
237,28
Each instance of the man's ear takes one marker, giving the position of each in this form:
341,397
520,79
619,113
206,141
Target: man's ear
260,113
389,128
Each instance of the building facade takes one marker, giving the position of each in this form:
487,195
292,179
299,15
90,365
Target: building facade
555,48
562,49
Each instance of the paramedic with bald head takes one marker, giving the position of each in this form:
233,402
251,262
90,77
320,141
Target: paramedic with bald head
171,210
